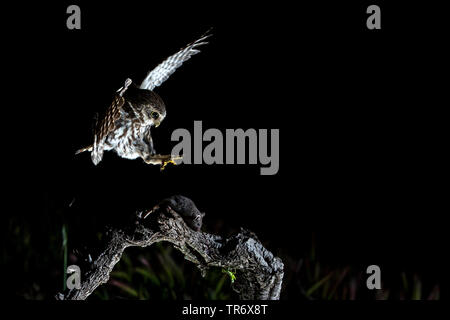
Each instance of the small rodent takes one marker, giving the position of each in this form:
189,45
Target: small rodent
187,209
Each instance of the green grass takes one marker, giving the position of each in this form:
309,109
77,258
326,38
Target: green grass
64,247
36,264
160,272
315,280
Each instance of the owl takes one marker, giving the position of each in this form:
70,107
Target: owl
126,126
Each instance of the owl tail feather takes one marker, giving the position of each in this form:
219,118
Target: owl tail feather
89,148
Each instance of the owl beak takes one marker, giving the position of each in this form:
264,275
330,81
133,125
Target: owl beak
157,123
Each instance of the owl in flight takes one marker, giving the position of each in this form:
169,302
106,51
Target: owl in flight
126,126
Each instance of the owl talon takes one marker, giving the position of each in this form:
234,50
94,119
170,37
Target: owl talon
125,127
165,163
162,160
171,160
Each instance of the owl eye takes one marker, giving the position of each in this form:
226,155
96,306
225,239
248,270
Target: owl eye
155,115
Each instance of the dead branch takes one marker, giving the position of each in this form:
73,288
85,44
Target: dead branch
259,274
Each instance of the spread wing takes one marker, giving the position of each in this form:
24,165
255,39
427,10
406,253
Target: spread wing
163,71
105,126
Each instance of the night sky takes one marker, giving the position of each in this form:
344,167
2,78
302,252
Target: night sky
360,113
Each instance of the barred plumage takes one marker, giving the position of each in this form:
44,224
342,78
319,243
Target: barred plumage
125,128
108,125
163,71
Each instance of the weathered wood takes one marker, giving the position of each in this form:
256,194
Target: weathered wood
259,274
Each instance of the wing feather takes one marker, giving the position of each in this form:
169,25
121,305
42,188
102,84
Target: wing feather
163,71
106,126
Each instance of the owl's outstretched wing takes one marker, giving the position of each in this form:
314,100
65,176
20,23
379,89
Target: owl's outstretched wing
105,126
163,71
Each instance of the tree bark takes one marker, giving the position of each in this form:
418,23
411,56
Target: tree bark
259,274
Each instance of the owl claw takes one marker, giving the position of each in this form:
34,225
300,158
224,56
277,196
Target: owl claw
165,163
162,160
171,160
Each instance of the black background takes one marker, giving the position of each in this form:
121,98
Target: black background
360,113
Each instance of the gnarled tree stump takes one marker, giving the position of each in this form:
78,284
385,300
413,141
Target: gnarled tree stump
259,274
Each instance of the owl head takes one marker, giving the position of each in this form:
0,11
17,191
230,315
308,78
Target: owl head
148,105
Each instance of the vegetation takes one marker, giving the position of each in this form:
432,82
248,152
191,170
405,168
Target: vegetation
160,272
